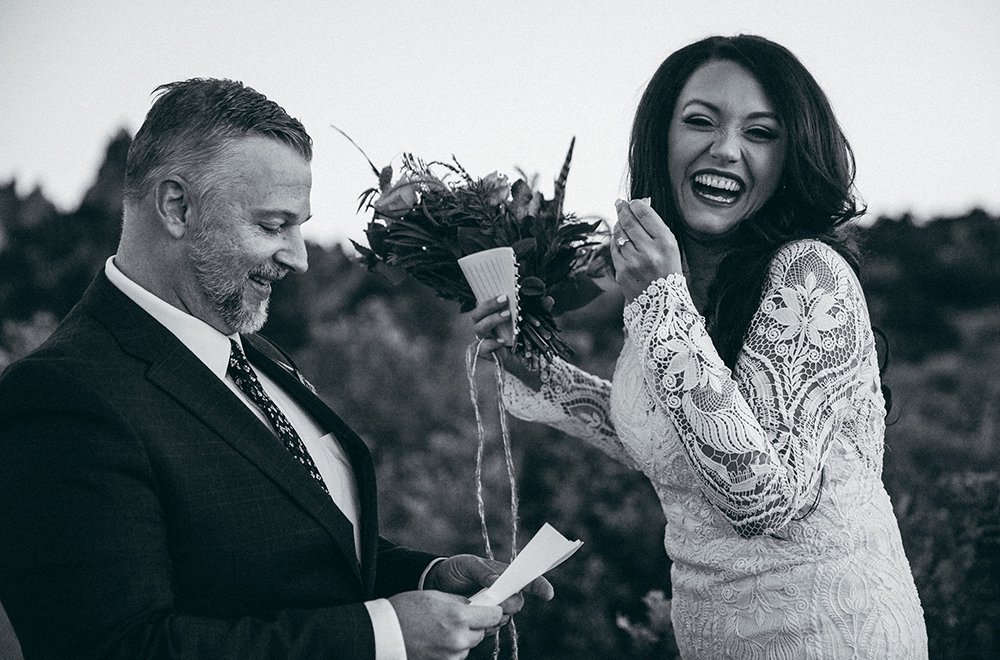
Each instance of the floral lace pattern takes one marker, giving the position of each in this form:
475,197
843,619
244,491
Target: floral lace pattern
736,459
572,401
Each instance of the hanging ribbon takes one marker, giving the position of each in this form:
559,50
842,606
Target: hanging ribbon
470,368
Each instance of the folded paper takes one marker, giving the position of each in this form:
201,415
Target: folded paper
544,552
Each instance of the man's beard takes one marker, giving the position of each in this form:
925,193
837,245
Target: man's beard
218,272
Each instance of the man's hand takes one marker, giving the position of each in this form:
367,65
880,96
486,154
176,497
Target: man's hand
467,574
439,625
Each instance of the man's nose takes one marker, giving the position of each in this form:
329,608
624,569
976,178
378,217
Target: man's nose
293,254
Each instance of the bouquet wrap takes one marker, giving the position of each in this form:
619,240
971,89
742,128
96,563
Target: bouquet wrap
492,273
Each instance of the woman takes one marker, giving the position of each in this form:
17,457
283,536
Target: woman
748,388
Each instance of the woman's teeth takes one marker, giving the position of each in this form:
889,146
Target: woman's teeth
719,189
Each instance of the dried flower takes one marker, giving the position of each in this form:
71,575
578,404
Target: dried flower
397,200
496,187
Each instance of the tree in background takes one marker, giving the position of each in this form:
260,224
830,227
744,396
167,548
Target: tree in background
390,360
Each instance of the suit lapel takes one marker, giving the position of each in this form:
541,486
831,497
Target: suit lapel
180,374
364,471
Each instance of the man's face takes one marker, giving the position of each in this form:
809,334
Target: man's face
248,234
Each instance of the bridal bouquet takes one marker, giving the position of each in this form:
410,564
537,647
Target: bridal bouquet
470,238
429,221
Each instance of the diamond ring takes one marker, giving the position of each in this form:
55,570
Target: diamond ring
622,240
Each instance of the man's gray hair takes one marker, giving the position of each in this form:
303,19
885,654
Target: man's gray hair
192,121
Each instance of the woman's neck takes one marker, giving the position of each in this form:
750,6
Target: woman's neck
702,259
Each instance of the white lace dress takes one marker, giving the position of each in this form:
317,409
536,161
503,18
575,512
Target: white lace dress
738,460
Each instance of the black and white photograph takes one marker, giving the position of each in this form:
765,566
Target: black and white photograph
588,330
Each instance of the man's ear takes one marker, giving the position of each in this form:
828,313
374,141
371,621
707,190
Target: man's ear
174,205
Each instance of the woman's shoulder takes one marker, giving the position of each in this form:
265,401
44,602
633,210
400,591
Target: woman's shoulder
800,257
812,246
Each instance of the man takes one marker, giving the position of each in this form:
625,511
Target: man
170,486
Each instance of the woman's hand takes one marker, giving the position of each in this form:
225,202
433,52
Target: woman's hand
643,248
488,317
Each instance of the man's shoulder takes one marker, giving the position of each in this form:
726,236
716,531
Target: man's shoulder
77,334
79,350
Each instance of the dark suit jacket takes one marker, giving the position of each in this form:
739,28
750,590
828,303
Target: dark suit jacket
146,512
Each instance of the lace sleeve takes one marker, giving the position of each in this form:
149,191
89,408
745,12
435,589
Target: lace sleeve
572,401
799,366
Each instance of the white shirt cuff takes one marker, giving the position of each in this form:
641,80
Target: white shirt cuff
389,644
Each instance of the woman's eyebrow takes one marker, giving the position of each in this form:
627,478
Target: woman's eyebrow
760,114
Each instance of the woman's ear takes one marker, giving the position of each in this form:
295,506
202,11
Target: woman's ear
174,207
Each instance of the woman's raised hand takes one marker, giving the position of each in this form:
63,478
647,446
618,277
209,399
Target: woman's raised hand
643,248
488,317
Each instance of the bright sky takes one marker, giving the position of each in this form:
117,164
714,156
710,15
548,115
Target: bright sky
916,85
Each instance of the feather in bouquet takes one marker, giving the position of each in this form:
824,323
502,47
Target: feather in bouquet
435,214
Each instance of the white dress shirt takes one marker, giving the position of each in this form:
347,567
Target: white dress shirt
212,348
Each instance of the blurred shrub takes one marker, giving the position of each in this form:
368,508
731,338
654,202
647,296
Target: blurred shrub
952,529
654,636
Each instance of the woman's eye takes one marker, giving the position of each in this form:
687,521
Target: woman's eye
698,120
761,133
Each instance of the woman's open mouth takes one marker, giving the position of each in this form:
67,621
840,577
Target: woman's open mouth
716,188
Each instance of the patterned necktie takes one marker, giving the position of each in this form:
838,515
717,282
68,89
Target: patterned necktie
245,378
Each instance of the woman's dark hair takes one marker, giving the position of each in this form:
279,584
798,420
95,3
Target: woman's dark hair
815,195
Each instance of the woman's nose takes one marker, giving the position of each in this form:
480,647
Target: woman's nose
725,147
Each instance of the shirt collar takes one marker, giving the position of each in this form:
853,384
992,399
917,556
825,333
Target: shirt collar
208,344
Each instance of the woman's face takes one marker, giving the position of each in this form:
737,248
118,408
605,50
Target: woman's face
725,151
